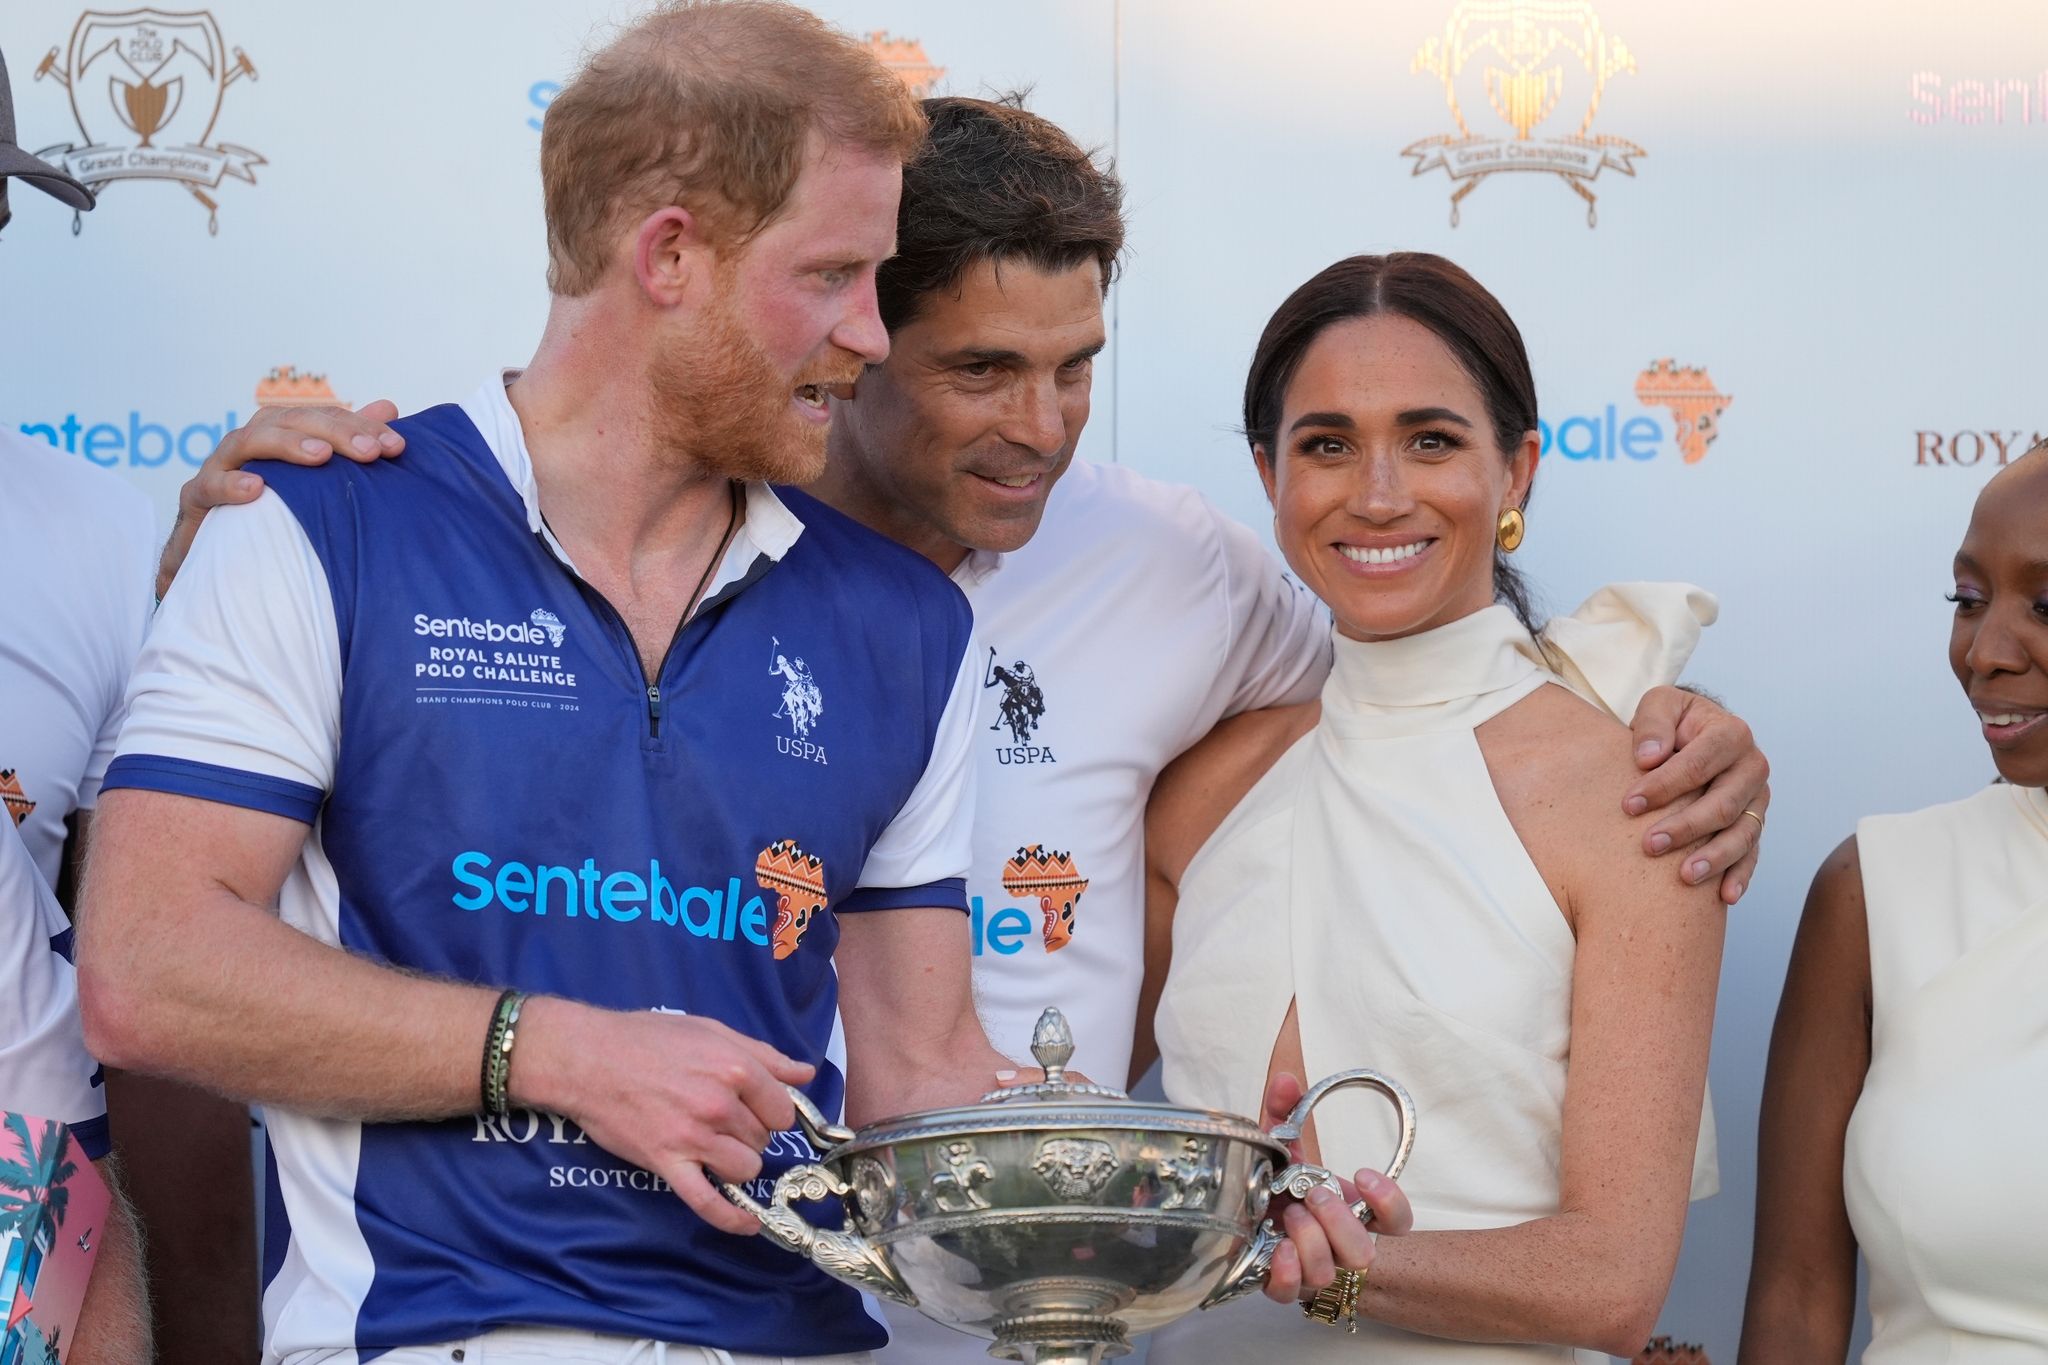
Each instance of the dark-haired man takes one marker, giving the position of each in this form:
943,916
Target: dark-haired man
1083,578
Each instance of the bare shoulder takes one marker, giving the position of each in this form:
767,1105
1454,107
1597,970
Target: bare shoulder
1839,883
1561,768
1552,751
1202,786
1832,949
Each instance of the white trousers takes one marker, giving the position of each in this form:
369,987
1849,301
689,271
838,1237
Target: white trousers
558,1346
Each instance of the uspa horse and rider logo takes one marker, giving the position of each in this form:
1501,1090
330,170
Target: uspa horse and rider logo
146,89
802,704
1020,709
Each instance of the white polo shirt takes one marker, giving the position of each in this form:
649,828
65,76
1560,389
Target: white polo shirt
45,1070
1137,618
80,547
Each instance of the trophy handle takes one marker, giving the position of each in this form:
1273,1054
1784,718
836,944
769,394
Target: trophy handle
1303,1176
823,1134
843,1255
1254,1262
1249,1270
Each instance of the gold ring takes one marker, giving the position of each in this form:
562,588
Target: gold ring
1759,821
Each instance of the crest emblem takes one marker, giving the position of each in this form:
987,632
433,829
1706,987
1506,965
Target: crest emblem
1529,60
146,88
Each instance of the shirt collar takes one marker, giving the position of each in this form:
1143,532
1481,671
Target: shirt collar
769,529
977,568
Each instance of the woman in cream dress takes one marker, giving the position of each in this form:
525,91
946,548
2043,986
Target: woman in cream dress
1904,1110
1427,873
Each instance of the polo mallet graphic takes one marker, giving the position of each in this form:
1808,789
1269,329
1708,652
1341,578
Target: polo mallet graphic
242,67
146,104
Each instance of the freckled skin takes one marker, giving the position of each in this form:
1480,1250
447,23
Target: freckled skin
1369,477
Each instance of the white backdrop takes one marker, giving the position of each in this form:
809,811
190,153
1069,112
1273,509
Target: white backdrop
1830,211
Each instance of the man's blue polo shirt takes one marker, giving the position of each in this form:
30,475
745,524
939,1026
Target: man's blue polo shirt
400,656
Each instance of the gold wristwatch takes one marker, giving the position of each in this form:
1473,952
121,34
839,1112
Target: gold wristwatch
1337,1300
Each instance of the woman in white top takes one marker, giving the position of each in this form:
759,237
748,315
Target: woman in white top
1427,872
1907,1096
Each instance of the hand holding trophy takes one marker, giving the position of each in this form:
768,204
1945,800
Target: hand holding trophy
1057,1218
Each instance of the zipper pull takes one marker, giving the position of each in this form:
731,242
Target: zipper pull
653,711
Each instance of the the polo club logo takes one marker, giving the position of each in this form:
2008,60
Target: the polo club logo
146,88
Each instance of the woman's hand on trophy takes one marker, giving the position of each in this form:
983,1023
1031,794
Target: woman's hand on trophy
1323,1234
295,435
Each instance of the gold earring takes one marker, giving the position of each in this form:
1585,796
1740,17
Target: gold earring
1508,532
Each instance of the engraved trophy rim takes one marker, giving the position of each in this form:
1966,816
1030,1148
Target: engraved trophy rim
975,1120
1057,1103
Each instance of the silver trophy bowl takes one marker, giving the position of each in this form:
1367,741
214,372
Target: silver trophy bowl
1059,1219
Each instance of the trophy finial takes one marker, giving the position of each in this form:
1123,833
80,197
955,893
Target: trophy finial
1052,1043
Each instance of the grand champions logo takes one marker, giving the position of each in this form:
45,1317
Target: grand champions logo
1524,57
146,88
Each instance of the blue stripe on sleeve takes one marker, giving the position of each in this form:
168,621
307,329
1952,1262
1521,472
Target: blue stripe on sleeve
948,894
212,782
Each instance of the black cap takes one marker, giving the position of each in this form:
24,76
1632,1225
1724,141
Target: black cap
15,162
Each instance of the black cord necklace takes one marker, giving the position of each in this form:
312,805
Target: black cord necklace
732,526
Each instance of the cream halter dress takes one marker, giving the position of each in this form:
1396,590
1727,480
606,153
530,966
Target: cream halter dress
1945,1168
1373,877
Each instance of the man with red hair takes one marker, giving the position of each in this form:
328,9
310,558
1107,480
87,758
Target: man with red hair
440,821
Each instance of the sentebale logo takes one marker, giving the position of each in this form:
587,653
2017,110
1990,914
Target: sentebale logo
620,895
1689,395
542,628
1686,393
146,88
1520,51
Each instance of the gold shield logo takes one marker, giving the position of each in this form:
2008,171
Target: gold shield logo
146,88
1528,60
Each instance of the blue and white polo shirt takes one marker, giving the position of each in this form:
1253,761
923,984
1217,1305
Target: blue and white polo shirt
401,656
